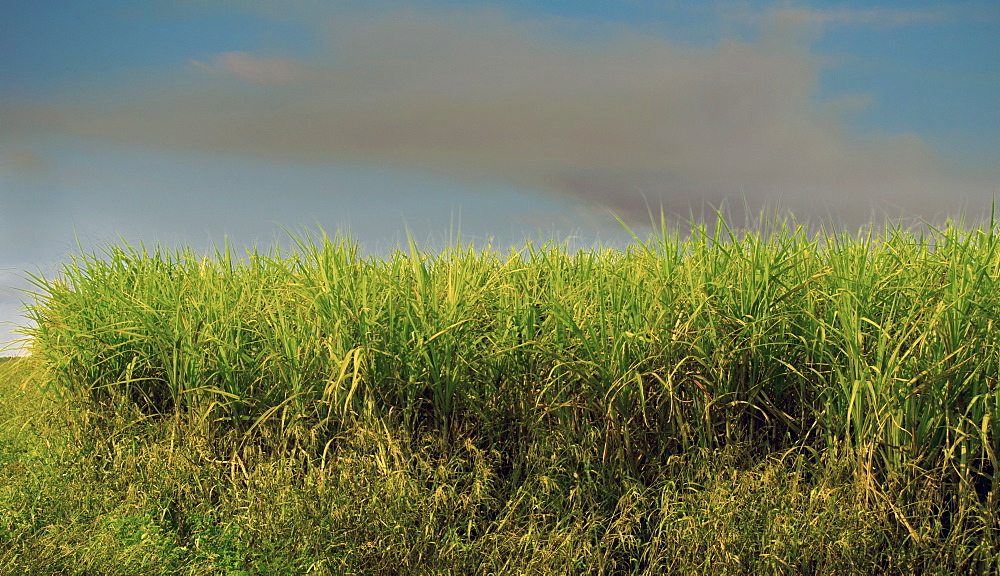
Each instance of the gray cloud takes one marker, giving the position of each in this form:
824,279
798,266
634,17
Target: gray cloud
254,68
616,122
21,161
877,17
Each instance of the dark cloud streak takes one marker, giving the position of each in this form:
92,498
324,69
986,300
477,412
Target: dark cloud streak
480,96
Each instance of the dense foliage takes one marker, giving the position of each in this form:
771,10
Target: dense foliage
599,370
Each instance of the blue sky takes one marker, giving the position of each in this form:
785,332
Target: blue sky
189,121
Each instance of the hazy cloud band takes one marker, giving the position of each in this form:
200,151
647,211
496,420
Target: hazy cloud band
479,95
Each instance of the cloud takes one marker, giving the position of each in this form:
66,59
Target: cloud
482,96
870,17
22,161
254,68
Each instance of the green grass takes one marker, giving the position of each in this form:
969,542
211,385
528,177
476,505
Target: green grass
731,402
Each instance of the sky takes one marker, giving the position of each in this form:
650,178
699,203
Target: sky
196,122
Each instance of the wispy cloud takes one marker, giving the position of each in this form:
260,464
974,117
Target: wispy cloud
254,68
22,161
479,95
871,17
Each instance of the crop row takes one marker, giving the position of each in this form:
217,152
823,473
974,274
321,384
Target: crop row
883,345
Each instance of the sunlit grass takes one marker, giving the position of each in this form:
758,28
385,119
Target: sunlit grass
585,397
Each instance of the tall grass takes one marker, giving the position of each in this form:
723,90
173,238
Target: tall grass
880,347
